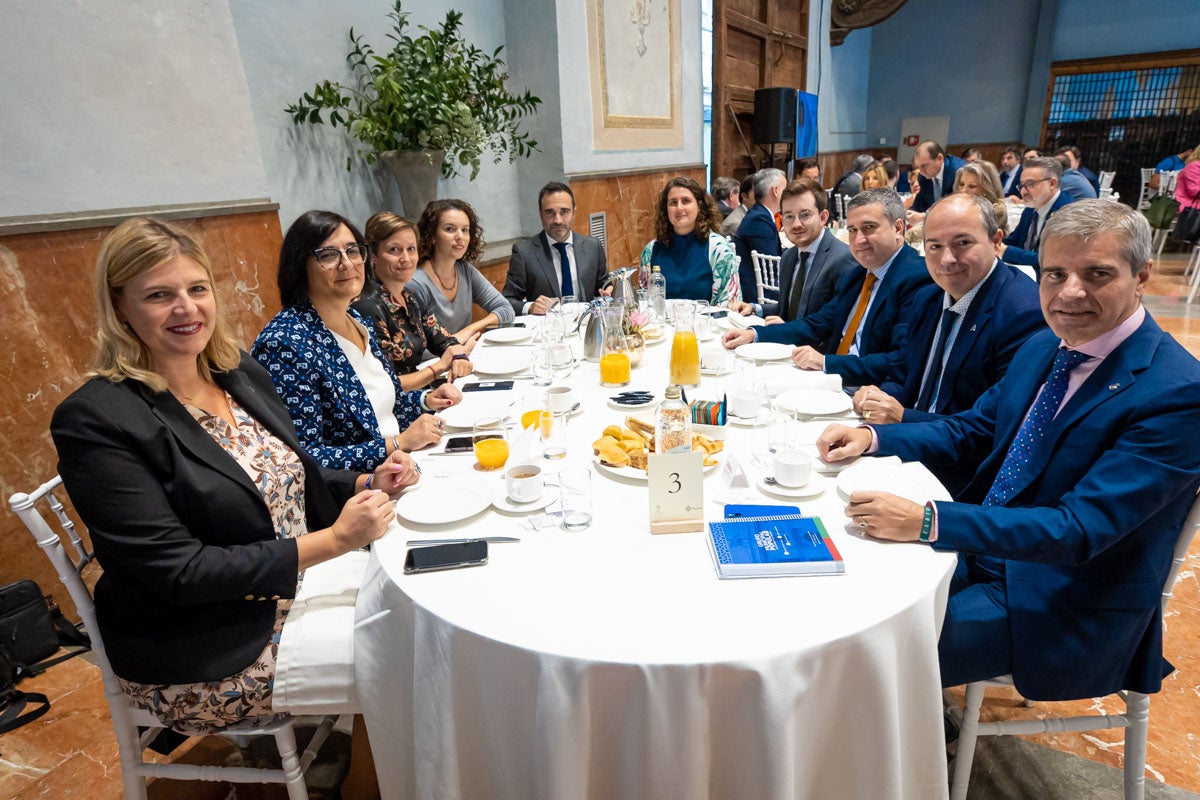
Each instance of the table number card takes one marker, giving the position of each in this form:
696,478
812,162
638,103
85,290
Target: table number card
676,483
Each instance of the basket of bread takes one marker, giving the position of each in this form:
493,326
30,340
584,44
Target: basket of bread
631,445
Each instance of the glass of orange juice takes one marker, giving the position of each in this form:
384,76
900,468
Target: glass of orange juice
490,442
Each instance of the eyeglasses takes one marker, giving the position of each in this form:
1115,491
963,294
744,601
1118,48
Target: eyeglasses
804,216
1028,185
330,257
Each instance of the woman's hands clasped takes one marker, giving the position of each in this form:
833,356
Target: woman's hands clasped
364,518
398,471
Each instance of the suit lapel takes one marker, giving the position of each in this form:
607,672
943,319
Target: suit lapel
547,265
970,331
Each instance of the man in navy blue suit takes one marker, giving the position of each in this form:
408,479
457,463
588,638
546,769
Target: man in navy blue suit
966,329
1084,467
859,334
1075,157
1010,177
937,170
1043,197
758,231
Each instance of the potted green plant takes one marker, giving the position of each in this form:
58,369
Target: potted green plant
433,103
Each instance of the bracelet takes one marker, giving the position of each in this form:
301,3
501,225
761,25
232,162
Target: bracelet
369,482
395,443
459,357
927,522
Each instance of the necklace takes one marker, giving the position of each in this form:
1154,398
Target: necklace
443,286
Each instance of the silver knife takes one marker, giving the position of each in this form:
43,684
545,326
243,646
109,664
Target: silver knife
492,539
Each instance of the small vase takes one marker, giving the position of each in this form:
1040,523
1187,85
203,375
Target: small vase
635,345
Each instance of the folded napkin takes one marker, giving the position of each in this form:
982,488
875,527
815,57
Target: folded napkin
740,321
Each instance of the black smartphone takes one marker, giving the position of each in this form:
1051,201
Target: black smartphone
718,314
463,444
445,556
487,386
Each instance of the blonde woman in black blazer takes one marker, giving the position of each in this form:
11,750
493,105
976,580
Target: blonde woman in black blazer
202,506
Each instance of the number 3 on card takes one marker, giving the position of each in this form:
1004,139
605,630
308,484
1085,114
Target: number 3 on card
676,489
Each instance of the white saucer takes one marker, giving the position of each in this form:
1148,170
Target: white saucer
750,422
814,486
501,502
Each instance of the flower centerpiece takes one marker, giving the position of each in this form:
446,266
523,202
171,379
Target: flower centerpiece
635,342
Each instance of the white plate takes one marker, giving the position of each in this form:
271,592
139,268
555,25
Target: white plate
765,351
750,422
869,475
501,360
628,408
429,504
635,474
502,503
814,402
464,415
815,486
506,335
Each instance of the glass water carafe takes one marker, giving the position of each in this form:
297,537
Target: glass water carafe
614,358
685,350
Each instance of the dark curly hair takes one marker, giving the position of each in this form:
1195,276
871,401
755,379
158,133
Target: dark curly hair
707,217
431,217
302,237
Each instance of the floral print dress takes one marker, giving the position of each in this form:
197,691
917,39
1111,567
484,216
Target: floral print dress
245,697
406,331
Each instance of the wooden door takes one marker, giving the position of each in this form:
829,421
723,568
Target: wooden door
756,44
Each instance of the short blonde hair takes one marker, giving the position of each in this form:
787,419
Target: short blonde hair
133,248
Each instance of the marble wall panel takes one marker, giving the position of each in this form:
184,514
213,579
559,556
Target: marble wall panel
46,346
629,201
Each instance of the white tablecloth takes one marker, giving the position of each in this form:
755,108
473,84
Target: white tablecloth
611,663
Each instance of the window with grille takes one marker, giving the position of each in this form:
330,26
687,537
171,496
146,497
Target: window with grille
1124,113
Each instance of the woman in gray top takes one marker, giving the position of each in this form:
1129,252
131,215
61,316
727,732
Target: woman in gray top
451,239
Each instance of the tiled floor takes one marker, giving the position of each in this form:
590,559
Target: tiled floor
71,752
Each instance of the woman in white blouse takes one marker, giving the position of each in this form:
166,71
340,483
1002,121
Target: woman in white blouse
451,240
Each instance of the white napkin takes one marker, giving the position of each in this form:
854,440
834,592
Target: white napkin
739,321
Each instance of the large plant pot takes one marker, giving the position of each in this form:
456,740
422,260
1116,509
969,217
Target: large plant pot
416,173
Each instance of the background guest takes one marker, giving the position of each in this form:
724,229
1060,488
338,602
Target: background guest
201,503
348,407
745,201
696,261
1010,178
808,168
402,316
1072,180
759,231
875,176
983,180
450,241
725,192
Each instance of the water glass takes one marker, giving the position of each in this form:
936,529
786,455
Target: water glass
575,487
704,322
541,368
774,433
562,360
552,433
554,325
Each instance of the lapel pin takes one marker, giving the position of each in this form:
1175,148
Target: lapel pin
972,329
1112,387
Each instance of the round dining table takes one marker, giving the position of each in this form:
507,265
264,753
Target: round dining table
613,663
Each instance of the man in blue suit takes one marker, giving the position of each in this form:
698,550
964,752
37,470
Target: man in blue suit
1075,157
758,231
1084,468
966,329
1043,197
937,170
1010,178
810,271
860,333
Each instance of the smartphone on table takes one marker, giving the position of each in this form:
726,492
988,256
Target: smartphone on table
434,557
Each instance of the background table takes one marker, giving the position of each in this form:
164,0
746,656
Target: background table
610,663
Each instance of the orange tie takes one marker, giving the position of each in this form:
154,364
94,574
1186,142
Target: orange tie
851,329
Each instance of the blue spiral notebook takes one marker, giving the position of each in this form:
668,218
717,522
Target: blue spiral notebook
775,546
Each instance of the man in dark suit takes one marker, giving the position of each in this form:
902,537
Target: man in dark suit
937,170
758,231
1084,468
556,262
810,271
1010,177
1042,196
860,333
966,329
725,192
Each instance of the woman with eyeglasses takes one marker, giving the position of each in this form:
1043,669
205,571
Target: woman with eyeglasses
402,313
348,407
697,262
450,242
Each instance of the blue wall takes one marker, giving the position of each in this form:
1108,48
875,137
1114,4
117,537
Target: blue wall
1099,28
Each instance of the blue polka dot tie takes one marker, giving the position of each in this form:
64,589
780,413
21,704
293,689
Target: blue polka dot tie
1033,429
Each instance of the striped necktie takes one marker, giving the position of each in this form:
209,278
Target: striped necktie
1032,431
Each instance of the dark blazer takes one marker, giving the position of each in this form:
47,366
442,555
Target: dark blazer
925,199
828,263
328,403
1016,252
1015,189
757,232
1088,540
192,565
1091,178
883,331
532,274
1004,313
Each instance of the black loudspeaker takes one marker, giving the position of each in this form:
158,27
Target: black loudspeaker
774,115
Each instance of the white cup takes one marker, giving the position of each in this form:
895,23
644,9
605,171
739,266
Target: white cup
745,403
560,355
525,483
560,399
792,468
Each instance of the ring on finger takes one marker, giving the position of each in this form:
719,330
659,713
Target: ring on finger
867,415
